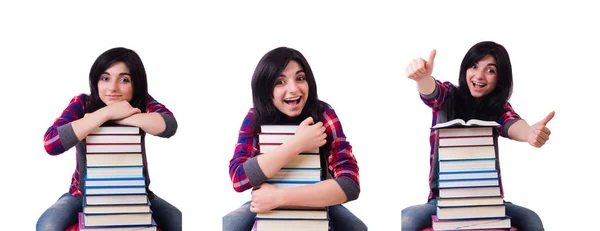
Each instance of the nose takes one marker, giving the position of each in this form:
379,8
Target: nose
292,87
113,85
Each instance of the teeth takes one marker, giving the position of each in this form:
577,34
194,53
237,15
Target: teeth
292,99
479,84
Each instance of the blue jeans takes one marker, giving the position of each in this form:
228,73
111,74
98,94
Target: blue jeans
418,217
63,214
342,219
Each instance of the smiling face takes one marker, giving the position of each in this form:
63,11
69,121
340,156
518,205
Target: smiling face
482,77
115,84
291,90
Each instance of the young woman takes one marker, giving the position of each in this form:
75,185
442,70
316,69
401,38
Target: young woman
485,85
118,93
284,91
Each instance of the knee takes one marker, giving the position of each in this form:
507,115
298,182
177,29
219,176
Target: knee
533,221
46,225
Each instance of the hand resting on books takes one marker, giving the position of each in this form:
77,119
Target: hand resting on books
309,135
265,197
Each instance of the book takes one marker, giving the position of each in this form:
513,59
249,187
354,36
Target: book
293,214
471,212
113,148
112,129
489,224
102,209
468,183
473,201
291,225
115,199
114,159
82,227
302,174
278,128
461,165
469,192
111,190
459,175
470,123
117,219
462,132
113,139
465,141
115,172
91,182
469,152
265,147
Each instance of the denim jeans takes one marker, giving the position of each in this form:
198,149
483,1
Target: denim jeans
418,217
341,218
63,214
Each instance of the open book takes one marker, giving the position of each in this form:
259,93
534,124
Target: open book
470,123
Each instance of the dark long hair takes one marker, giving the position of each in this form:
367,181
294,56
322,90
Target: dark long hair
136,69
492,105
269,68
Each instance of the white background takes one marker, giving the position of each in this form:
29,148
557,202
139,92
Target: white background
200,58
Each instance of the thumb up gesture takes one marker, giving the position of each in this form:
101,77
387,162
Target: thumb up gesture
539,133
419,69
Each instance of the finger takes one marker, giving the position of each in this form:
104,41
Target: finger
548,118
431,59
415,68
318,124
543,135
540,140
408,71
546,131
134,111
307,121
420,66
323,139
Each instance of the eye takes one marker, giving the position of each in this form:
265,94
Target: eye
491,71
474,66
125,80
104,78
301,78
279,82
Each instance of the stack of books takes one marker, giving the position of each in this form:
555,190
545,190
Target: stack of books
470,196
115,196
304,169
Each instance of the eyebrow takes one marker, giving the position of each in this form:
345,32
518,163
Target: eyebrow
121,74
297,72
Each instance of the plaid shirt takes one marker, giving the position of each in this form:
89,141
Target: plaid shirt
443,91
74,111
341,161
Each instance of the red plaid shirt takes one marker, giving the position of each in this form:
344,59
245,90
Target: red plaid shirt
341,161
74,111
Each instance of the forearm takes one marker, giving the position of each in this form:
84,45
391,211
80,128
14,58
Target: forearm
271,162
86,125
321,194
152,123
519,130
426,86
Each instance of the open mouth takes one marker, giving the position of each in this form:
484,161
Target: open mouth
478,85
293,101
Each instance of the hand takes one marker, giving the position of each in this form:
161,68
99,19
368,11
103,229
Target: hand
419,69
265,198
119,110
539,133
309,135
127,120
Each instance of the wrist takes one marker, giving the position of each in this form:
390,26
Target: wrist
280,197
